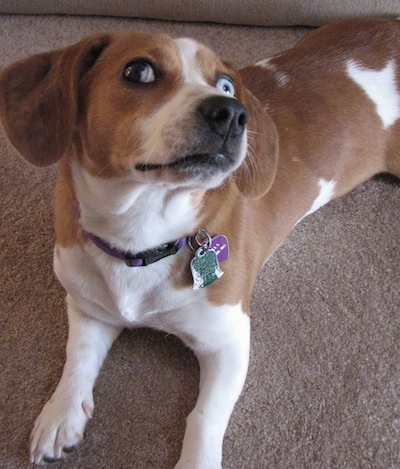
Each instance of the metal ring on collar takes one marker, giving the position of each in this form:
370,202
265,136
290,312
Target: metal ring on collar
205,242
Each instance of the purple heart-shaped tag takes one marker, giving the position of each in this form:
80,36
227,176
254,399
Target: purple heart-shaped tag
220,246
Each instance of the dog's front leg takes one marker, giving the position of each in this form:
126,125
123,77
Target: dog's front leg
60,426
223,354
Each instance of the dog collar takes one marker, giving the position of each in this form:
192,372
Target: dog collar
142,258
204,265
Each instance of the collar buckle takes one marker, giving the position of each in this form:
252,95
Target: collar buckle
151,255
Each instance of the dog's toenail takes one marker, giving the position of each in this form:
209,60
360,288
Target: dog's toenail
51,460
70,449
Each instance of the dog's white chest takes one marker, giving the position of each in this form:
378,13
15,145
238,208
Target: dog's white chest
106,287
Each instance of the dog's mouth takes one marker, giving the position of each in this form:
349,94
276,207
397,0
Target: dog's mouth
191,161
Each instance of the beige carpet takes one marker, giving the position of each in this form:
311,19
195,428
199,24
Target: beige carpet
323,390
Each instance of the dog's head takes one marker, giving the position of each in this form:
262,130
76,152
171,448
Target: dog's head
143,107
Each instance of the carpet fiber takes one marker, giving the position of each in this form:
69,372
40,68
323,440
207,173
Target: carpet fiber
323,389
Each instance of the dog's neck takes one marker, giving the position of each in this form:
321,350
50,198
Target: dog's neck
134,216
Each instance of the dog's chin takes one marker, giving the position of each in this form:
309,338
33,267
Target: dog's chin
207,171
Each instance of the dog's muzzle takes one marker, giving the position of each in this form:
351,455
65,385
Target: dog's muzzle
214,144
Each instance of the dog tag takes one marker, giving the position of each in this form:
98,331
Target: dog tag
220,246
205,268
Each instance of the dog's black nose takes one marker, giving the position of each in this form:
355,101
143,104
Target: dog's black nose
225,116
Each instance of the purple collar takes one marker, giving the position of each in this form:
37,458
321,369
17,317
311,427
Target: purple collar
139,259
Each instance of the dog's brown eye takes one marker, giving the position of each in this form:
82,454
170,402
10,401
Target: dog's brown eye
139,71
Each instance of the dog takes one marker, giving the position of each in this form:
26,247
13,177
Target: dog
178,177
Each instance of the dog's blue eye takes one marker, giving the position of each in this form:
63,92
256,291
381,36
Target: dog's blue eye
226,86
139,71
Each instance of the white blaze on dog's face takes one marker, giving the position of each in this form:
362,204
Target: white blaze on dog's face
173,116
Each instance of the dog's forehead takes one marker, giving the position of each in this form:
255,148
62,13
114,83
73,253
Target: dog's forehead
198,62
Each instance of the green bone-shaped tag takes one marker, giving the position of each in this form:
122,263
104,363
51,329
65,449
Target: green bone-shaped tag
205,268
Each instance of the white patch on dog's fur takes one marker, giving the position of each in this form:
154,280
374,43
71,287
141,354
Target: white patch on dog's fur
326,193
380,86
281,77
190,67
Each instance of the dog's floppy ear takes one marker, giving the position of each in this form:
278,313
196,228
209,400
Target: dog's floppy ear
38,99
257,172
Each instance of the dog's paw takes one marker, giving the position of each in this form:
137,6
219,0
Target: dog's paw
59,428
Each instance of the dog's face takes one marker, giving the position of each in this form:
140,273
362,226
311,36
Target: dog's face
173,113
143,107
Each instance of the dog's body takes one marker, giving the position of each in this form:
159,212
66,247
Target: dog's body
154,149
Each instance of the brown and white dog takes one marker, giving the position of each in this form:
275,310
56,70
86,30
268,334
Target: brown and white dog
162,149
